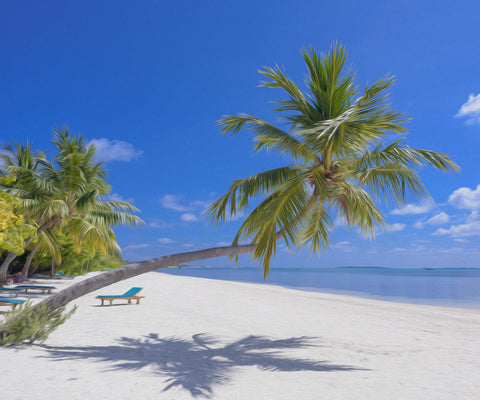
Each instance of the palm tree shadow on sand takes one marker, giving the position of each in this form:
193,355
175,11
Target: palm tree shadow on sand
200,363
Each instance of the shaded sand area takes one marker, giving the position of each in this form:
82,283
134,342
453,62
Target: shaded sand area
199,338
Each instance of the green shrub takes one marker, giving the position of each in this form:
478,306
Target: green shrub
26,324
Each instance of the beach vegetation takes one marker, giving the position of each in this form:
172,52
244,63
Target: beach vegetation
27,324
14,230
66,197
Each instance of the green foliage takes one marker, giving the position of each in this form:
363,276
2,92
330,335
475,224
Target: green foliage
66,197
334,137
13,228
25,325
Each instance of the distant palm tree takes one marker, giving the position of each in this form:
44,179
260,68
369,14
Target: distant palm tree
338,164
78,187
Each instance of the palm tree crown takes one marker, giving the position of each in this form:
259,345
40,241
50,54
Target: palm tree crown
335,137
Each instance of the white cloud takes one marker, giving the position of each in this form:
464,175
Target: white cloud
439,219
396,227
474,216
165,240
471,228
344,246
200,204
412,209
172,202
176,203
471,109
460,240
341,244
466,198
117,197
419,225
137,246
188,245
224,243
114,150
189,217
159,224
411,250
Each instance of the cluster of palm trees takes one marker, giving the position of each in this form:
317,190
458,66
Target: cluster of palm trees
65,199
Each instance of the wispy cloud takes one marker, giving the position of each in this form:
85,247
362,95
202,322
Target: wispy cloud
397,227
462,230
466,198
191,210
173,202
470,109
438,219
137,246
117,197
115,150
178,203
189,217
165,240
412,209
414,249
345,246
159,223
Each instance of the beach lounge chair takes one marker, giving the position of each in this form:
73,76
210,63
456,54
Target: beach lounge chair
44,289
60,275
10,302
129,295
13,291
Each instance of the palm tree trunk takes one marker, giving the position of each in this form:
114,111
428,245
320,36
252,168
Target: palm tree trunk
130,270
26,266
6,263
52,268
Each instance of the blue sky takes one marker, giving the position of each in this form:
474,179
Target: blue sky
147,81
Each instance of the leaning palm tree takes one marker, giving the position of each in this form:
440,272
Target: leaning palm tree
338,163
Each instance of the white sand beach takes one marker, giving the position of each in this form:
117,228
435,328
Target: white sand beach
199,338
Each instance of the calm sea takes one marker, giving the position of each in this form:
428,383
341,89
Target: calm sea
441,287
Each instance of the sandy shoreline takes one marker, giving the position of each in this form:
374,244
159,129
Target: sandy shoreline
201,338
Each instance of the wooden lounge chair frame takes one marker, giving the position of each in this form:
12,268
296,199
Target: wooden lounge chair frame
13,291
10,302
44,289
129,295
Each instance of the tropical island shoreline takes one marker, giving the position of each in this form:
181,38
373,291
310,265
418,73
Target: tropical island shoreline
201,338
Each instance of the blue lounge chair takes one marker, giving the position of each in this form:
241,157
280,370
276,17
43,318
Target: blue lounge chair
13,291
10,302
44,289
129,295
60,275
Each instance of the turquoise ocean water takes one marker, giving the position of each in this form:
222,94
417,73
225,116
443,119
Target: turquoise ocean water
440,287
